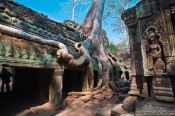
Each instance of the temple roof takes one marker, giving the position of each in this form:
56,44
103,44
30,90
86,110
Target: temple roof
146,8
23,18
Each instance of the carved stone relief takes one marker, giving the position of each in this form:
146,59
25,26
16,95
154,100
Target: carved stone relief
13,49
154,51
154,45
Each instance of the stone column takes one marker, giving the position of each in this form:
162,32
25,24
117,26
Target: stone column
56,85
136,61
136,69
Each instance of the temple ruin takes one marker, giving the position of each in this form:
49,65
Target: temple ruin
152,45
40,76
38,73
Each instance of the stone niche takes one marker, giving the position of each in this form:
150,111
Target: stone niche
151,28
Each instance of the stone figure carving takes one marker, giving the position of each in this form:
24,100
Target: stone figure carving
7,46
154,50
24,54
16,51
2,51
32,53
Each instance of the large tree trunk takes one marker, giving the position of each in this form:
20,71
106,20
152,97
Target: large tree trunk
94,44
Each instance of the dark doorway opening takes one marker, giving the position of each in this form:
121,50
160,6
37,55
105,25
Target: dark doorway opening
30,88
72,81
95,78
173,84
173,21
149,84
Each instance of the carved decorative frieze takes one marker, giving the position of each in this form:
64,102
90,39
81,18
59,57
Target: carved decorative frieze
20,51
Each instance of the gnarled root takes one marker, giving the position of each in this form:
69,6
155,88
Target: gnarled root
104,92
83,59
105,88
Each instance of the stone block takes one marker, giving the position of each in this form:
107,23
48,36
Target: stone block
118,110
164,98
163,93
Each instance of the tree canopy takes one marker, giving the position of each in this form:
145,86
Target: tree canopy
113,11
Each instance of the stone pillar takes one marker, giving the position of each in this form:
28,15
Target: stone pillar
136,61
56,85
136,69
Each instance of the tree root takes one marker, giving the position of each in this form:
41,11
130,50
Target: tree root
104,92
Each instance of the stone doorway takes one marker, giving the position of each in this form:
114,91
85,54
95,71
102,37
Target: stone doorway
173,21
95,78
72,81
30,88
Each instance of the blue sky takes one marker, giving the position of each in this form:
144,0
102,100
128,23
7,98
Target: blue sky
56,10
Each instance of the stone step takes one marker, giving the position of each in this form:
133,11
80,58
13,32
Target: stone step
163,80
163,93
164,98
166,85
162,88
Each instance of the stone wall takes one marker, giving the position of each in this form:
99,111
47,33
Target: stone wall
152,45
15,50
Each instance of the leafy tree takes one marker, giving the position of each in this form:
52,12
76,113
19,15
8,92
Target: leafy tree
113,10
93,45
112,47
74,5
123,45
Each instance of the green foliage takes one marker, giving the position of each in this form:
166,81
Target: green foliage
122,46
112,47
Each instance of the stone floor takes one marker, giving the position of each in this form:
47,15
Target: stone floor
147,107
151,107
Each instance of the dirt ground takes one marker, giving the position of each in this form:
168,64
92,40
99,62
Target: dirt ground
90,108
19,106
